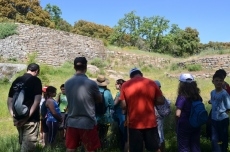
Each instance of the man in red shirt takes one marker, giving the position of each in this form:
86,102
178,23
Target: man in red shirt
139,95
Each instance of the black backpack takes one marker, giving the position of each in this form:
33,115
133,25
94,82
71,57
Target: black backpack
20,110
100,108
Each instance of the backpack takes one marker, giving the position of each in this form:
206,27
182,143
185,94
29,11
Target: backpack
165,109
20,110
43,109
198,115
100,108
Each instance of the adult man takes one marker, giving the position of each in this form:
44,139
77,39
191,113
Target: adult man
81,93
28,127
139,95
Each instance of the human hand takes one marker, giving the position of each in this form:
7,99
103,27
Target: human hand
21,122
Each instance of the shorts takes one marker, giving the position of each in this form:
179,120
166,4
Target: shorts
28,136
88,137
139,136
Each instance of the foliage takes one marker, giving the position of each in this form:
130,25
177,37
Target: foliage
98,62
25,11
7,29
91,29
31,58
194,67
174,66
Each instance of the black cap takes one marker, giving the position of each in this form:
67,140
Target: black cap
33,67
80,61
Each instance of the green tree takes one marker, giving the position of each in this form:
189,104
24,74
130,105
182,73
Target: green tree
25,11
152,30
128,27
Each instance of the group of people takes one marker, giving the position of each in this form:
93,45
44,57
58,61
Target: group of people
136,109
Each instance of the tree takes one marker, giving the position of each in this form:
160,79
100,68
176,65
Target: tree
128,27
55,12
25,11
152,30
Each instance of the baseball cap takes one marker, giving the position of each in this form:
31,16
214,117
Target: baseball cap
158,83
80,61
44,89
134,70
186,77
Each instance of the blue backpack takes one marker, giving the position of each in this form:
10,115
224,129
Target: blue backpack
198,115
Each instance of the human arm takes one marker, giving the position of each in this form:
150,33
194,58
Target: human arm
159,99
58,98
9,105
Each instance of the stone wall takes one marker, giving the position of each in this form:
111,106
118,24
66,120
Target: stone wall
51,46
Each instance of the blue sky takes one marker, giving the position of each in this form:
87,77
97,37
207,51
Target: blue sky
210,17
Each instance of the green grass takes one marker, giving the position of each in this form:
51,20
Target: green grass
7,29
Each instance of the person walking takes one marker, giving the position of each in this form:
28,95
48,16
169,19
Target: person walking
188,137
28,127
81,93
139,95
104,120
220,101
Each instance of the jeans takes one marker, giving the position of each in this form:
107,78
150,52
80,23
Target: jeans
220,135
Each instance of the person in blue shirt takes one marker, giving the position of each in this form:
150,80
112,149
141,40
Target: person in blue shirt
54,118
220,101
104,121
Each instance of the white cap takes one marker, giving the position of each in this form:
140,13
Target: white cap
134,70
158,83
186,77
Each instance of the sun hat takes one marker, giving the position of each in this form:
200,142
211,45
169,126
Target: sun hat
158,83
44,89
102,81
186,77
134,70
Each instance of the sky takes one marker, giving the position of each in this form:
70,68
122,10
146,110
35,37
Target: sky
211,18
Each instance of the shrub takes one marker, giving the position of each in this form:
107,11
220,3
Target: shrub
98,62
7,29
194,67
174,67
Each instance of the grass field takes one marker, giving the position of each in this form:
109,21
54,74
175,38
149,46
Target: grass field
57,76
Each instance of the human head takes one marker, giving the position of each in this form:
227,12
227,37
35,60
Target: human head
119,83
188,87
186,77
158,83
135,71
62,87
51,91
102,81
33,69
80,64
222,71
217,80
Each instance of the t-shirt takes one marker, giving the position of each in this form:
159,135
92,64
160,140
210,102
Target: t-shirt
220,103
139,94
33,88
185,106
63,102
81,93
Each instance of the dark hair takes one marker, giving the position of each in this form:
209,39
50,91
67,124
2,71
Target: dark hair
80,63
62,86
135,73
189,90
218,75
120,81
33,67
50,90
221,71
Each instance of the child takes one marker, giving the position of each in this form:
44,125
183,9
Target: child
220,101
53,114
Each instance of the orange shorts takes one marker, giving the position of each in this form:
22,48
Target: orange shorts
88,137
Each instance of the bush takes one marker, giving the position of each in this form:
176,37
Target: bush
194,67
7,29
174,67
98,62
